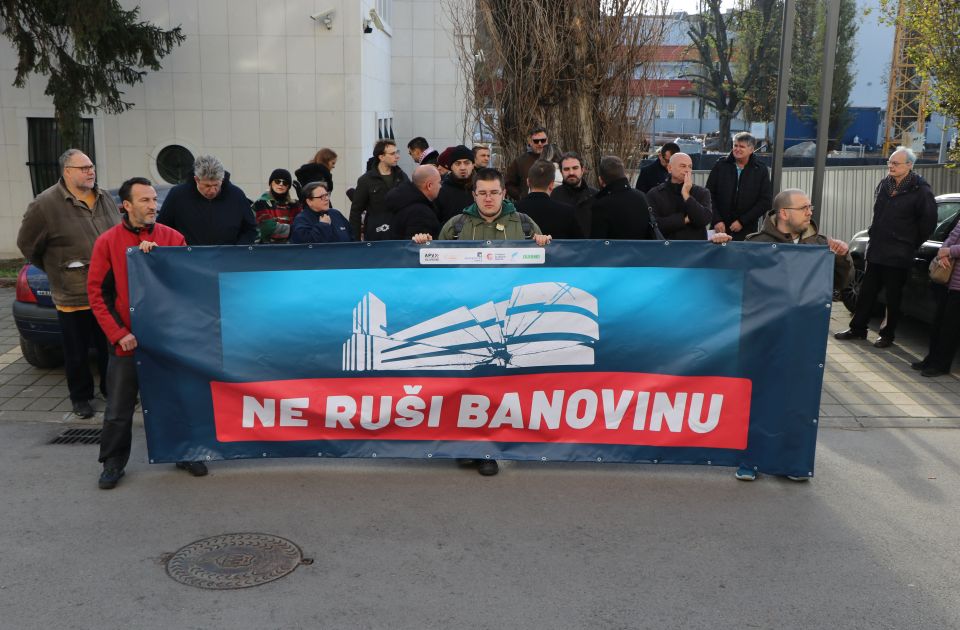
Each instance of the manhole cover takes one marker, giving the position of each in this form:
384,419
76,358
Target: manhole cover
233,561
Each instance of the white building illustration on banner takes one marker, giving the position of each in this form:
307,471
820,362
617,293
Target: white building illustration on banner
543,324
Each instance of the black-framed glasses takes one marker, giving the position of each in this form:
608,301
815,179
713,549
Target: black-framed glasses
84,169
321,197
538,140
808,207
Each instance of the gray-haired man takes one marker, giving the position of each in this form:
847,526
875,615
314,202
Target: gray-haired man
209,210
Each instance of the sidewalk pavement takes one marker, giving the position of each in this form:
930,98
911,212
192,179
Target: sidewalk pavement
871,542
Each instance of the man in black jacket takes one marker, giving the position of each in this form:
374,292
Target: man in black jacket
412,205
654,174
619,211
516,175
368,212
740,188
209,210
904,215
554,218
574,190
682,209
456,191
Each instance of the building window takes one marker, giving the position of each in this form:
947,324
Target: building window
659,111
385,126
175,164
671,111
385,10
46,145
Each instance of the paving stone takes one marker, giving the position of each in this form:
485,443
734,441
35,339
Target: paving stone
44,404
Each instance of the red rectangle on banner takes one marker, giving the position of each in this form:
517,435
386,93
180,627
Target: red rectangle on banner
579,407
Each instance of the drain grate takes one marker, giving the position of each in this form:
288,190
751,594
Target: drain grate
232,561
77,436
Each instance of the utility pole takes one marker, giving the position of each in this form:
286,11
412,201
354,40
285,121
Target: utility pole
826,96
783,86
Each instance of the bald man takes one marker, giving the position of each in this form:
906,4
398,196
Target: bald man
682,209
411,204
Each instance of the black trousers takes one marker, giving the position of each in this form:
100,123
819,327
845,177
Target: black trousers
945,331
875,278
80,330
117,431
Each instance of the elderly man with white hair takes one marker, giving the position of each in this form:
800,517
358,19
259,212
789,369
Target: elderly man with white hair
904,215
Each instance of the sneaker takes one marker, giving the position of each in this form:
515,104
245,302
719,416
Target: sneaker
197,469
849,334
883,342
793,478
745,474
488,467
109,478
82,409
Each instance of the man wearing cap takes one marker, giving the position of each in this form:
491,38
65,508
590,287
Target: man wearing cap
456,191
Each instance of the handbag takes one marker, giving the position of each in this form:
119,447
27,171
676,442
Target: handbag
938,274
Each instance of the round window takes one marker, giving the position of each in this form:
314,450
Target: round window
175,164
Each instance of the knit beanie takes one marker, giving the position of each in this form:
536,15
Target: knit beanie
280,173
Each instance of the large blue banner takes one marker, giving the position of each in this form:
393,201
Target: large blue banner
679,352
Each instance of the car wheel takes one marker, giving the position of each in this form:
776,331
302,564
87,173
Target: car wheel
852,292
39,356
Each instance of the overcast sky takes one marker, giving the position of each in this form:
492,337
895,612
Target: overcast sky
690,6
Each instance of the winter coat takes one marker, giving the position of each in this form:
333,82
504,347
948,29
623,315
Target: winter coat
745,198
57,235
227,219
554,218
370,197
312,172
274,218
621,212
516,175
842,265
668,206
455,195
651,176
901,223
412,213
308,228
581,198
509,226
953,242
107,283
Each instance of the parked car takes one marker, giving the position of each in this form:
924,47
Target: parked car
35,314
918,299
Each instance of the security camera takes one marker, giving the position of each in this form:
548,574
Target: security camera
375,18
367,28
325,17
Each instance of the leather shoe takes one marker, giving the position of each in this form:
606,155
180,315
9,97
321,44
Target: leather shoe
919,365
488,467
109,478
848,334
82,409
883,342
197,469
932,371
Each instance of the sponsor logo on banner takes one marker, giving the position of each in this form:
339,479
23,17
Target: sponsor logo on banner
584,407
483,256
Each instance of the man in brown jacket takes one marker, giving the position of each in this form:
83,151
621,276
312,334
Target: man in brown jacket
57,235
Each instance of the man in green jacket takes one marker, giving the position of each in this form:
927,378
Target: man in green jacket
490,218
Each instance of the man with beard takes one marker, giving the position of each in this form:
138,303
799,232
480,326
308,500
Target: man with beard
456,192
369,216
574,191
553,217
682,209
516,176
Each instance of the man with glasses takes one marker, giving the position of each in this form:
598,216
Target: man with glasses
490,218
319,223
369,215
516,176
904,215
57,236
209,210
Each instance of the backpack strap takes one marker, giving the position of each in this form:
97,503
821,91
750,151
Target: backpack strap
458,224
526,223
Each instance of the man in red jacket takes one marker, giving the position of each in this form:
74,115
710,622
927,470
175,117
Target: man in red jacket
110,301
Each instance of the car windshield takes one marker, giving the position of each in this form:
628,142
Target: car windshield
946,210
946,219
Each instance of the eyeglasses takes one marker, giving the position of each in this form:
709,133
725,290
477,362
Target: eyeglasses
83,169
892,163
320,197
281,182
389,152
806,208
488,193
538,140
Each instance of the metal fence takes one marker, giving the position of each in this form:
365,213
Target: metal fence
848,192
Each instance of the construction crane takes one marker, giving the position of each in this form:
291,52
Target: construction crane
908,93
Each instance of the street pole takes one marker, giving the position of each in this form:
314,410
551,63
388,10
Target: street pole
826,95
783,86
944,139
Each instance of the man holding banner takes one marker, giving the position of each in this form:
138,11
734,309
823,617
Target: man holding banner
107,289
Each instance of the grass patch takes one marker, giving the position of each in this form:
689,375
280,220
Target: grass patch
10,267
